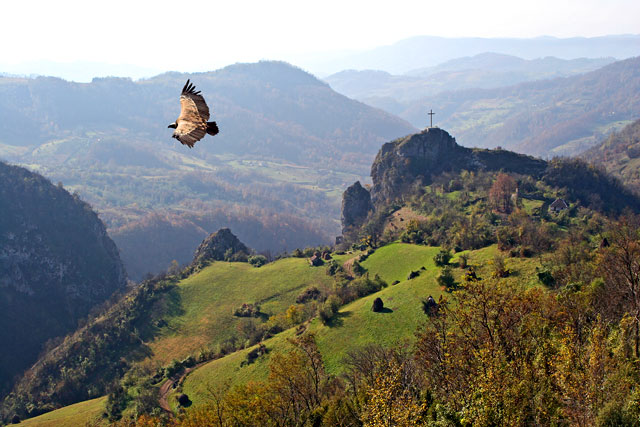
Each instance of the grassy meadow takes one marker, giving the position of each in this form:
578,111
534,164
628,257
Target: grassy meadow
80,414
356,324
204,302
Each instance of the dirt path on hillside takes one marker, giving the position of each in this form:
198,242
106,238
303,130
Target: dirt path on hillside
170,384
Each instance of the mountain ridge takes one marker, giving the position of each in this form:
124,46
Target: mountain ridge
483,71
406,164
409,54
561,116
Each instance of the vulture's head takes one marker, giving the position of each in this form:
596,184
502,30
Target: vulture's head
173,125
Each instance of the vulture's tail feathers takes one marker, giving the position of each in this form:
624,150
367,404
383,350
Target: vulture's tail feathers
212,128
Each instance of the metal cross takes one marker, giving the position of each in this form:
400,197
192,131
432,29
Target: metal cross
431,113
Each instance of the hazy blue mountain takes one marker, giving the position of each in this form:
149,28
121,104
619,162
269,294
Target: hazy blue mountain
269,109
562,116
288,144
78,71
487,70
543,67
427,51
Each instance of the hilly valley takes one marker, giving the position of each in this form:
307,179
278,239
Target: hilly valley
287,148
231,337
550,117
334,214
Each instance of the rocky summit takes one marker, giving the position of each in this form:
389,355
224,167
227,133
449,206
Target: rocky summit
414,159
218,246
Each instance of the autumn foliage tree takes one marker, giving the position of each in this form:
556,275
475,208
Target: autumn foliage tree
501,192
619,265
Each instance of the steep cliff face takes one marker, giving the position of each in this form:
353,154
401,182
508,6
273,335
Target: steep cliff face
356,205
56,263
414,159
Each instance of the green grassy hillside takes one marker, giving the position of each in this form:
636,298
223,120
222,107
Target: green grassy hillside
620,155
80,414
200,315
205,302
356,324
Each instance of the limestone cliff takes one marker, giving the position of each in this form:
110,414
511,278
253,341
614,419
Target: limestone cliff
56,263
356,205
414,159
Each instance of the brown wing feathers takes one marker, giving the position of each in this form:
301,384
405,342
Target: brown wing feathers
189,88
192,124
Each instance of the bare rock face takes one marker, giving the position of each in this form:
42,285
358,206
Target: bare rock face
219,246
413,160
56,263
356,205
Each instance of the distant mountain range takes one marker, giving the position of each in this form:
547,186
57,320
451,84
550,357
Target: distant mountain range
560,116
404,56
288,144
427,51
486,70
78,71
268,110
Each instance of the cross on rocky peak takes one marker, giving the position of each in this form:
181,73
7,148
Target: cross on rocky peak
431,113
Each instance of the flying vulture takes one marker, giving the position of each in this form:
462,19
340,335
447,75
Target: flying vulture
192,125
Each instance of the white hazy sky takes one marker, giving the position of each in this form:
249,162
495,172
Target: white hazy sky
194,35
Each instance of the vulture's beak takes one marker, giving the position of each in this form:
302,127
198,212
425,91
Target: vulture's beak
173,125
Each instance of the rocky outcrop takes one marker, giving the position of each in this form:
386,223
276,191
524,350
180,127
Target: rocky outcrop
356,205
219,246
413,160
56,263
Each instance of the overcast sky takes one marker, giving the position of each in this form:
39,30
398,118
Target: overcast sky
193,35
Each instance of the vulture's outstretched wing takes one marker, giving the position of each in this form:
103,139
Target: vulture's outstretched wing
189,97
194,113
